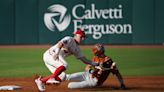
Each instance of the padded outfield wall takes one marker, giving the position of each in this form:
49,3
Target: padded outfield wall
104,21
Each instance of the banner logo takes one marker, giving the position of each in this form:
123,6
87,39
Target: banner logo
54,12
109,20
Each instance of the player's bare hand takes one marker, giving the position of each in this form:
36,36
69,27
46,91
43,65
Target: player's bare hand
113,66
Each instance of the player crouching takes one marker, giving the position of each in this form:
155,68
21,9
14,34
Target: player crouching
95,76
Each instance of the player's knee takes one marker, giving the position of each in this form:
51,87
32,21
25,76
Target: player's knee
93,84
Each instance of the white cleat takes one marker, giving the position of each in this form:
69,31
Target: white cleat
39,84
52,81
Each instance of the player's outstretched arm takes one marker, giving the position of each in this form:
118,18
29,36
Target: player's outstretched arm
118,75
57,50
86,61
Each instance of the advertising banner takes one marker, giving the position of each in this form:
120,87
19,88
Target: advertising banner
107,21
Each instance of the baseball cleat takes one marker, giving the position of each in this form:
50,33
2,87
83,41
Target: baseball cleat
123,87
39,84
52,81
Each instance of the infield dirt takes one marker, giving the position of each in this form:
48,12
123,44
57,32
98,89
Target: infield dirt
134,84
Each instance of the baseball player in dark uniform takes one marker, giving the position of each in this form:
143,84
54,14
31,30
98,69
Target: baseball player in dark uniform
96,75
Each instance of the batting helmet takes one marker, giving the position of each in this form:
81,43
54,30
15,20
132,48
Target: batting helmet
81,32
98,49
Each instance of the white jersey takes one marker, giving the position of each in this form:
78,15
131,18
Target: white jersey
70,47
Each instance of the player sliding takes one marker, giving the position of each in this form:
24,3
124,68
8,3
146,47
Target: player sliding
55,62
95,76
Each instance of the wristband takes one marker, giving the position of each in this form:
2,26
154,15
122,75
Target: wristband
91,71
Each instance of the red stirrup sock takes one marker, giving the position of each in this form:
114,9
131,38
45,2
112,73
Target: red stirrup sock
58,79
55,75
45,79
48,77
58,71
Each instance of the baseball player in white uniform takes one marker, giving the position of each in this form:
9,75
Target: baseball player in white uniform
55,62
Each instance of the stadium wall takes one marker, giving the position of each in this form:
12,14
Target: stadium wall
107,21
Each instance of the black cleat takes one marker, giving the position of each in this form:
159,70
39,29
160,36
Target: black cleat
123,87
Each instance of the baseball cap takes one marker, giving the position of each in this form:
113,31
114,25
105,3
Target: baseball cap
81,32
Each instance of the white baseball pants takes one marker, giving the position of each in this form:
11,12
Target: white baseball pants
85,80
52,64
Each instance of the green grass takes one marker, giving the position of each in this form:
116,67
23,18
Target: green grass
130,61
